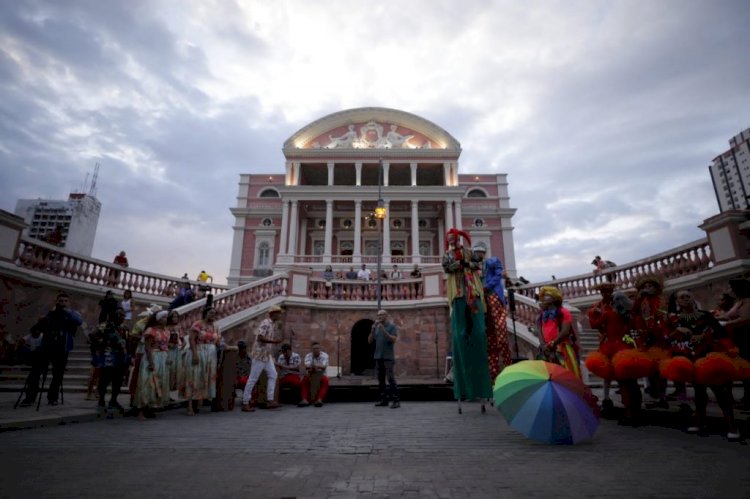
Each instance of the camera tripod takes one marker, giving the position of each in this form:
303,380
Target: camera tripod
24,390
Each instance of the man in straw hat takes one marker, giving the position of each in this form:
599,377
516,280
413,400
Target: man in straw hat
262,355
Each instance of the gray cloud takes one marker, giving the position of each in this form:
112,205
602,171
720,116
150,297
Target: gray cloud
605,116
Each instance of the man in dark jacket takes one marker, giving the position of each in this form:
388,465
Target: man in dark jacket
57,342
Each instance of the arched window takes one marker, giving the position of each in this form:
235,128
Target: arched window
476,193
269,193
264,255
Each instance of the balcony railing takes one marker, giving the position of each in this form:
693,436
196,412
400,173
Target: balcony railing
351,290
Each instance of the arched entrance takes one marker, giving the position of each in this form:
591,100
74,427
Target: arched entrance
362,351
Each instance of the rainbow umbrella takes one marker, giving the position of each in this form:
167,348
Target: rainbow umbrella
545,402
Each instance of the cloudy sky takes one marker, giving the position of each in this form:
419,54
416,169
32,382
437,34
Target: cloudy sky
604,114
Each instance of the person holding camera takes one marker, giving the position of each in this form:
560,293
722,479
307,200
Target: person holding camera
385,334
57,342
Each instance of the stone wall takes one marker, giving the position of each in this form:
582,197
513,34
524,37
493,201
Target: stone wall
417,353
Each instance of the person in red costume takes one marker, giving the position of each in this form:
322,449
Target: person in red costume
612,328
649,329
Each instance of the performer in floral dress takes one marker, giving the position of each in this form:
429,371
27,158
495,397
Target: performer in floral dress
153,376
200,376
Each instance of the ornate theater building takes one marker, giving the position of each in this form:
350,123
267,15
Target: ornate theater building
321,211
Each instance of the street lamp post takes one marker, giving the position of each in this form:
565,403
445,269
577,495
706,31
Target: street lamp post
380,214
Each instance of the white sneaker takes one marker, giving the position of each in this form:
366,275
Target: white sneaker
733,435
693,429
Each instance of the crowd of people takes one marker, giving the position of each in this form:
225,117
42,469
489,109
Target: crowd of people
644,337
162,363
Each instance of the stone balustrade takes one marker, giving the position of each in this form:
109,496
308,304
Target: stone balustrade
42,257
351,290
677,262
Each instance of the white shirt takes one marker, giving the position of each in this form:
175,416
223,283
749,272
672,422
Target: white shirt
294,361
320,362
364,275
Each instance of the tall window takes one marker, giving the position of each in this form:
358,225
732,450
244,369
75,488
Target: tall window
264,255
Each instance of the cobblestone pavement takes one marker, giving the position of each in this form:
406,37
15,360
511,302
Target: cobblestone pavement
423,449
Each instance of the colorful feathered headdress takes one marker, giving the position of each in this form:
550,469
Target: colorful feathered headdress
458,233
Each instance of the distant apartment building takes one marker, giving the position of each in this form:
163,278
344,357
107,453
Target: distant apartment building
70,224
730,174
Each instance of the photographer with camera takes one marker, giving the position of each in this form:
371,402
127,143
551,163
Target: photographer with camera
57,342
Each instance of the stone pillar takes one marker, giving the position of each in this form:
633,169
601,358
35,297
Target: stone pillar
415,230
357,254
358,170
330,172
284,227
289,173
386,167
387,233
293,229
729,236
448,215
303,237
329,232
459,216
441,237
235,265
413,173
447,174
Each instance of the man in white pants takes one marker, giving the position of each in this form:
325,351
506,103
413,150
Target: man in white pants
262,356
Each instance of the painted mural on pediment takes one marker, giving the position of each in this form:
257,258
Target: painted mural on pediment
370,135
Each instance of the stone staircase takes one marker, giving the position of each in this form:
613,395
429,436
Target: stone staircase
588,341
13,377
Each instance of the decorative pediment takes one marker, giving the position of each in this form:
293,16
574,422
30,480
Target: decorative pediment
371,128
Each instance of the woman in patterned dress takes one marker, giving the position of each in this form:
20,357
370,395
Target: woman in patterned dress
498,349
153,376
175,340
200,371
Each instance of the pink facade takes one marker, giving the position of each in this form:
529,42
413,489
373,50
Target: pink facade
320,210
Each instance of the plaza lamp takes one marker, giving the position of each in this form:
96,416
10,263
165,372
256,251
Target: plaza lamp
380,213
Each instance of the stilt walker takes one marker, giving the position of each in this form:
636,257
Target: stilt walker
471,375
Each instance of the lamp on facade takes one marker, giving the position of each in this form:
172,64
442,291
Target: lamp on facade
380,213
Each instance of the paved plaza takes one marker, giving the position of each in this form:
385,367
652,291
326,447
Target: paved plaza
423,449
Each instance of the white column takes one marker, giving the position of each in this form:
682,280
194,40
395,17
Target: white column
459,216
329,232
387,234
441,237
295,173
509,256
357,254
284,227
358,170
447,174
289,173
303,237
415,231
386,167
235,265
413,173
293,229
330,172
448,215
